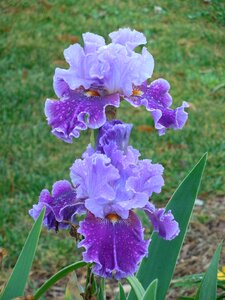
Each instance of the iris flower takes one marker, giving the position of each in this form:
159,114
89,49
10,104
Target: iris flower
101,75
110,183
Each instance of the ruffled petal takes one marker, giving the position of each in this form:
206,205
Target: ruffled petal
92,42
163,222
136,180
116,246
157,100
94,178
147,179
124,69
60,207
79,110
79,72
127,37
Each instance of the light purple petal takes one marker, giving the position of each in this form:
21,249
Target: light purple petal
92,42
78,74
114,245
79,110
148,178
127,37
60,207
162,222
94,178
157,100
124,69
114,67
74,55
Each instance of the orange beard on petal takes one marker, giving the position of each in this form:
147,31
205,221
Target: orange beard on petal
92,93
137,93
113,218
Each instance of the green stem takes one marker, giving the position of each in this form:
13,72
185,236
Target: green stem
88,284
92,138
56,277
101,295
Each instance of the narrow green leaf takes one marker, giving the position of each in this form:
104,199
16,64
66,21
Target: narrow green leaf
56,277
122,293
207,290
136,286
18,279
163,255
151,291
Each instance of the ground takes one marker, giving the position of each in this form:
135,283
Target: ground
186,39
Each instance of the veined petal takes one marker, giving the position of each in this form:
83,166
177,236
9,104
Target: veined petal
162,222
76,112
116,246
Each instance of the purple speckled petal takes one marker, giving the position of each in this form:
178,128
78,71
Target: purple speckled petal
162,222
61,206
116,246
127,37
94,177
157,100
76,112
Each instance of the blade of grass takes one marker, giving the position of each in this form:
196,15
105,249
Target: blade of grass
163,255
18,279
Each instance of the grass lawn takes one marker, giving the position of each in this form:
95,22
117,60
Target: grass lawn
187,41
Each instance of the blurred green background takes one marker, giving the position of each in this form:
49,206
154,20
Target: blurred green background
187,40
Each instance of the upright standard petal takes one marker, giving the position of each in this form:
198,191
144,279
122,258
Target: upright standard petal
114,132
60,207
127,37
95,178
79,73
114,245
124,69
147,179
163,222
92,42
157,100
78,111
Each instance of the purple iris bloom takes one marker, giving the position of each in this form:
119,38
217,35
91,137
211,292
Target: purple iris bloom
109,183
99,75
